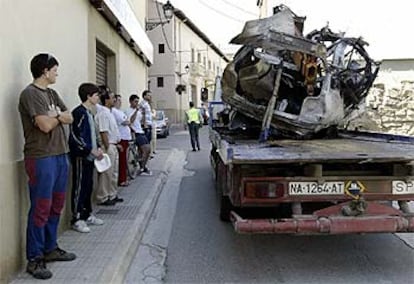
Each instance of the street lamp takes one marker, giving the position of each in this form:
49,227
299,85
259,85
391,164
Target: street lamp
186,71
168,10
187,68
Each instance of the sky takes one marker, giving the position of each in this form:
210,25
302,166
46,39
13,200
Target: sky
383,24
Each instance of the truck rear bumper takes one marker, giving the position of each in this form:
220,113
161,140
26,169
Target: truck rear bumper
330,224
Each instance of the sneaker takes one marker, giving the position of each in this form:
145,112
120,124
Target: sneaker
93,220
81,227
37,268
59,254
108,202
146,172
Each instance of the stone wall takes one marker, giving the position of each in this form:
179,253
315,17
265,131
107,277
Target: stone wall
392,110
389,106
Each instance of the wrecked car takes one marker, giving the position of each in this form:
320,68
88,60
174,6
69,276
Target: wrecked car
295,85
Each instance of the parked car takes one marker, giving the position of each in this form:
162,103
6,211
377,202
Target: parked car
161,123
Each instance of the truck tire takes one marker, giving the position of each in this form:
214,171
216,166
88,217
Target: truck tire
225,208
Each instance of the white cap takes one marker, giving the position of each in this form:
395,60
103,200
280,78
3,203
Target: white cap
103,164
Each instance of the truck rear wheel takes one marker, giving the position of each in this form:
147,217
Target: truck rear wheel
225,208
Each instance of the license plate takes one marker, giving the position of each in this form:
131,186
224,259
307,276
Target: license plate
314,188
402,187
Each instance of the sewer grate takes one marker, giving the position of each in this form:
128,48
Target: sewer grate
108,211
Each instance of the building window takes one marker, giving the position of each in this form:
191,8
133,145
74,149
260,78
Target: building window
161,48
194,94
204,61
101,67
105,66
160,82
209,65
199,57
192,55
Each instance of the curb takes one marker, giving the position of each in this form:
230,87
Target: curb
128,244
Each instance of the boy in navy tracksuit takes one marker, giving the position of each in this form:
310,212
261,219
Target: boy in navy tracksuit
84,149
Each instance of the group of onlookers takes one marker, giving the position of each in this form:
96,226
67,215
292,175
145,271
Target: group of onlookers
99,131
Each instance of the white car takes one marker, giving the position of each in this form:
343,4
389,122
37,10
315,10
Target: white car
161,123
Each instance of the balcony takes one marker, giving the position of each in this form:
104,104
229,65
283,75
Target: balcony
197,69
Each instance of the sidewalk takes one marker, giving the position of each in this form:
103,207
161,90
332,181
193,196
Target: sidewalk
104,254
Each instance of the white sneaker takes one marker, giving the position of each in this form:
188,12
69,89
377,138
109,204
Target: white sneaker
81,227
92,220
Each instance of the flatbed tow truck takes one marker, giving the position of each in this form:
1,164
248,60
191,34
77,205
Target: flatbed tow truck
282,156
335,185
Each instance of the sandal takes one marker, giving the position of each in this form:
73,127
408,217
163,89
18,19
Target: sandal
125,183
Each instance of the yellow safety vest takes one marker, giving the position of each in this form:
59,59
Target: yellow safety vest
193,115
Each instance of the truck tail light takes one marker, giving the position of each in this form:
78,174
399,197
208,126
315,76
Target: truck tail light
264,189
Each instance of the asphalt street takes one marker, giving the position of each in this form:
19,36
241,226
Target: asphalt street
186,242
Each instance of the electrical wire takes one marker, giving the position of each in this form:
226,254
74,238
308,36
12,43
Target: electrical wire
220,12
239,8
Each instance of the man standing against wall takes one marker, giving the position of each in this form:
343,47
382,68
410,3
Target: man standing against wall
43,115
193,117
84,149
107,190
125,134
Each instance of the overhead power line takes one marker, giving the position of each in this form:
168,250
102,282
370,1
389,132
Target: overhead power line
239,8
220,12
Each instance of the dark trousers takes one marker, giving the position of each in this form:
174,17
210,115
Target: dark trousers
82,185
193,128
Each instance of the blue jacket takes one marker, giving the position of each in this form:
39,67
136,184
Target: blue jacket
80,140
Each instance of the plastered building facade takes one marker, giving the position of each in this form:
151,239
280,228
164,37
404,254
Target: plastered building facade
186,63
94,41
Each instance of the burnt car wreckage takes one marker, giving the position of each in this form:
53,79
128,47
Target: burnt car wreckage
296,85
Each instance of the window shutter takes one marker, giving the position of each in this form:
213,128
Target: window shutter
101,68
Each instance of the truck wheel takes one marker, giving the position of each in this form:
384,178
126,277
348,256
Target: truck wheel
225,208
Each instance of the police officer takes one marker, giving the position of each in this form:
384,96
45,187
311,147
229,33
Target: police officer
194,119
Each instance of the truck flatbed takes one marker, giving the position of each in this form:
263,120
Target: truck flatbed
334,185
348,147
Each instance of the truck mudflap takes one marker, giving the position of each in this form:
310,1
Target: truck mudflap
377,218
